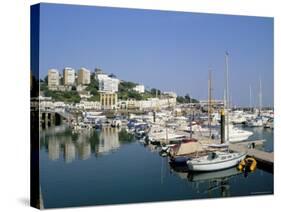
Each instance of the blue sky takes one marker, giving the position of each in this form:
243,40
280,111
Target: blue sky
172,51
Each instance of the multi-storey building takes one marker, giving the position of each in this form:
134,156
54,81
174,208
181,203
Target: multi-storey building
108,84
84,76
53,79
68,76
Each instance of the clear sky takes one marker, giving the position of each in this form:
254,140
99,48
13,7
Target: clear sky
172,51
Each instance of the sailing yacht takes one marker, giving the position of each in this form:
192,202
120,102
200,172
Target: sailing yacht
218,160
215,161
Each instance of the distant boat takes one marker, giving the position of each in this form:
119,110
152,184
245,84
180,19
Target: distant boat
237,117
269,124
257,122
215,161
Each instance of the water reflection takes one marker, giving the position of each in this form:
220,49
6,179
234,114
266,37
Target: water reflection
214,184
108,134
61,142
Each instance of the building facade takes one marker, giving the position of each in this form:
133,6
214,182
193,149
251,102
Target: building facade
108,100
108,84
68,76
53,79
84,76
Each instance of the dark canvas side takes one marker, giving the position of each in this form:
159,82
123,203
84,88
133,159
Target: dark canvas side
34,106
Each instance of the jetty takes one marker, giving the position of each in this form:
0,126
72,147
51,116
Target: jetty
265,159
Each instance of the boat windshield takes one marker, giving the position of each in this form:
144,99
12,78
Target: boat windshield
212,156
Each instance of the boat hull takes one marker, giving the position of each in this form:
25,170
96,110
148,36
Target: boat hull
194,166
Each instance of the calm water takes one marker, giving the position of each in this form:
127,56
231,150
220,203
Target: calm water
110,167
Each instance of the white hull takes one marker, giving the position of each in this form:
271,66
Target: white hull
239,138
214,165
237,135
164,136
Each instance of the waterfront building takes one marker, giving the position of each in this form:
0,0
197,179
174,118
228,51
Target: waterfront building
108,100
84,76
88,105
149,104
122,104
46,105
68,76
139,88
59,105
53,79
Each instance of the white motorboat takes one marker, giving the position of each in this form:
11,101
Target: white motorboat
237,134
237,117
158,133
269,124
215,161
160,136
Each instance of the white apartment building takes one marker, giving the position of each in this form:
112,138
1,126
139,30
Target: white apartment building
84,76
68,76
139,88
101,76
53,79
108,84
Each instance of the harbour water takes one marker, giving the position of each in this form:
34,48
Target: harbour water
109,166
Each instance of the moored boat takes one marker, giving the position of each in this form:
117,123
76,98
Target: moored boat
215,161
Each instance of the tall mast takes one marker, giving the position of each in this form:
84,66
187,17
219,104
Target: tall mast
209,101
227,97
250,87
260,98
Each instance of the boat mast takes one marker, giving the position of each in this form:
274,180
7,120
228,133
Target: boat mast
209,101
190,117
250,87
227,97
260,98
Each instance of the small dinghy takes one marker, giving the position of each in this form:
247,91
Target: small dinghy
248,164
